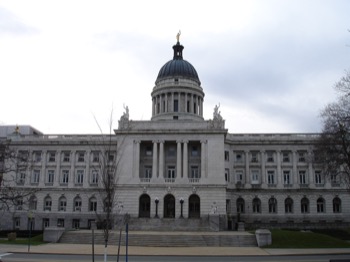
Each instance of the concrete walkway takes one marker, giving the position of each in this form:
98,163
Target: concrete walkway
58,248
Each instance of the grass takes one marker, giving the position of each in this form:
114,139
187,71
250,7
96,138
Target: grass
36,240
305,239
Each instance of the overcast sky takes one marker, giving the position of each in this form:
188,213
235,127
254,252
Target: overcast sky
271,65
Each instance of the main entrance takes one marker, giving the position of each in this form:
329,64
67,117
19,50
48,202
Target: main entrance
145,206
169,206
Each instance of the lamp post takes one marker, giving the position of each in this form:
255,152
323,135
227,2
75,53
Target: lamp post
156,201
182,203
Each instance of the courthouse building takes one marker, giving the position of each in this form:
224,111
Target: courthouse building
176,169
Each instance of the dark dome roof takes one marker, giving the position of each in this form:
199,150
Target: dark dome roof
178,67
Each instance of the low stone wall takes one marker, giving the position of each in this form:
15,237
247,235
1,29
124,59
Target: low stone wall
53,234
263,237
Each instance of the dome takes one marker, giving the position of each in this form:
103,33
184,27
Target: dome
178,67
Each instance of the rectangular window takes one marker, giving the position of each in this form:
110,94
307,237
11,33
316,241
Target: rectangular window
227,175
148,172
172,151
65,177
254,157
95,157
76,223
171,172
35,176
302,177
227,156
66,157
17,222
285,157
51,156
110,156
286,177
21,178
60,222
194,151
302,156
239,175
63,205
79,179
176,105
94,177
149,151
270,157
50,176
195,172
46,222
271,177
318,177
81,157
239,157
37,156
255,177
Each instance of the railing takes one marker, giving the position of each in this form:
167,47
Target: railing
169,180
145,180
194,180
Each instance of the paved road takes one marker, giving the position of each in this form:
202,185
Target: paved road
18,257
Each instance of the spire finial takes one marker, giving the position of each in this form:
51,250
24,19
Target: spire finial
178,36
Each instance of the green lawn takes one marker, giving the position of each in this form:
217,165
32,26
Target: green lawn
305,239
36,240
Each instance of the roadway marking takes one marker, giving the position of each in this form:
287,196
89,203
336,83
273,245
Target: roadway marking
5,254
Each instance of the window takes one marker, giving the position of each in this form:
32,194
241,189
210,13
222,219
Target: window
239,157
176,105
171,172
255,177
172,151
46,222
239,175
79,179
302,156
286,177
21,178
77,204
95,157
254,157
270,157
256,205
148,172
35,176
94,177
336,205
93,204
334,179
110,156
22,156
65,176
37,156
227,156
271,177
33,203
318,177
51,156
66,157
194,151
227,175
50,176
17,222
288,205
19,203
304,204
240,205
149,151
47,203
62,204
60,222
272,205
76,223
320,205
81,157
195,172
302,177
285,157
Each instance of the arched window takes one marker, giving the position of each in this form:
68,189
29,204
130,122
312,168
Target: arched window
320,205
272,205
240,205
145,206
304,205
194,206
288,205
336,205
92,204
256,205
47,203
77,203
62,203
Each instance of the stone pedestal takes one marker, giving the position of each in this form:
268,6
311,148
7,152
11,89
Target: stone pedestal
214,222
263,237
52,234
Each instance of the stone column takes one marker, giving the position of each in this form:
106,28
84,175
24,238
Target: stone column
155,160
191,104
153,105
204,172
247,170
310,169
178,160
172,102
263,167
161,159
294,179
185,160
279,170
136,165
166,103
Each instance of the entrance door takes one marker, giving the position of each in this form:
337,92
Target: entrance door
194,206
169,206
145,206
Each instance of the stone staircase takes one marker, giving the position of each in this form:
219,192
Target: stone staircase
164,239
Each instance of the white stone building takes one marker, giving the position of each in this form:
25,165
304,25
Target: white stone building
176,170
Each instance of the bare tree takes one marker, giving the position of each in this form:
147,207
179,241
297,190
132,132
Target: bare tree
109,150
333,146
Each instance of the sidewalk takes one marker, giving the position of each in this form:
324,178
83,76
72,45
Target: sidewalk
172,251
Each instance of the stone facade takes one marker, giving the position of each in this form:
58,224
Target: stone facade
177,167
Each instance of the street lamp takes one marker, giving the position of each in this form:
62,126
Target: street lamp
157,202
182,202
30,225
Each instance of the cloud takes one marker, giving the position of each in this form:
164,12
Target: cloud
11,25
